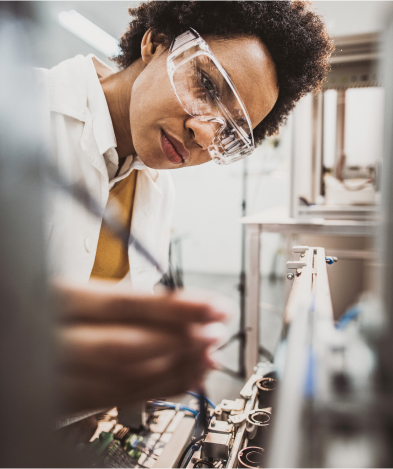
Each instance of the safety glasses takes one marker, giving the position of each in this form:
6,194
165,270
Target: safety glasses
206,92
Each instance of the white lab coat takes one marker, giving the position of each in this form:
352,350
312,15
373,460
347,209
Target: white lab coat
83,147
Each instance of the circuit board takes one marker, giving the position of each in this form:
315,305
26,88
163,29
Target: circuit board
117,445
168,434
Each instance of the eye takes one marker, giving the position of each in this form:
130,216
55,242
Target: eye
209,86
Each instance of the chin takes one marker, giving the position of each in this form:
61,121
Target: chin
154,162
151,155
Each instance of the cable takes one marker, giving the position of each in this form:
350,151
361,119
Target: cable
170,405
228,371
359,187
194,448
203,417
265,353
191,393
203,461
188,447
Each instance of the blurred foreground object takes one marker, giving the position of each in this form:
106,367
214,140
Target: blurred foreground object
383,400
27,410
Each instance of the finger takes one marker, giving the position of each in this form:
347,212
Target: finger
98,301
175,386
112,345
159,371
146,380
143,370
85,392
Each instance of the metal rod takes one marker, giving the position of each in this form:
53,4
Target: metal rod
242,284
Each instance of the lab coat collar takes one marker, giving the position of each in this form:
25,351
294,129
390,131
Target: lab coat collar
76,91
67,87
103,131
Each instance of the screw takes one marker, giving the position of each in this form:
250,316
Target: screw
290,276
335,259
303,255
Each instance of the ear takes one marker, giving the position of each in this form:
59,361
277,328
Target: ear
152,46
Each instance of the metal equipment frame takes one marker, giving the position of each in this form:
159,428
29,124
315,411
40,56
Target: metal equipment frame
354,64
289,227
309,304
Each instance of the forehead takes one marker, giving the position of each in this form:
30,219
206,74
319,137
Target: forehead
251,68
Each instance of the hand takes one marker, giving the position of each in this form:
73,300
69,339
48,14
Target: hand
118,348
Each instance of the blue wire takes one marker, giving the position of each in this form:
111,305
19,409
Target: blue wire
347,317
206,398
176,406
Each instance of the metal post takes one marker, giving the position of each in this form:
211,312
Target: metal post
252,297
242,284
317,139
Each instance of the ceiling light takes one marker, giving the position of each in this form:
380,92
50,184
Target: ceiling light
89,32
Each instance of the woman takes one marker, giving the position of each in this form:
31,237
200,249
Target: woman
198,81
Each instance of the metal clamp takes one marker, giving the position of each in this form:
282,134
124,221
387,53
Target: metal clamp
296,264
300,249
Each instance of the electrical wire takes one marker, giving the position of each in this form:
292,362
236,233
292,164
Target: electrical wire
194,394
359,187
195,442
171,405
149,452
194,448
203,416
203,461
138,464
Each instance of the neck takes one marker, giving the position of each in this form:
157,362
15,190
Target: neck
117,89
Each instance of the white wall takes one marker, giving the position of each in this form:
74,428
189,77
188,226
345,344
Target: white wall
364,126
353,17
209,206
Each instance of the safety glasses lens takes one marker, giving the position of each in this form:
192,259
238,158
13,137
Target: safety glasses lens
204,92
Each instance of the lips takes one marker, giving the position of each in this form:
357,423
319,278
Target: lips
173,149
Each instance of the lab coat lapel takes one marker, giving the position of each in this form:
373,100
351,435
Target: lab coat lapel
89,145
73,87
145,218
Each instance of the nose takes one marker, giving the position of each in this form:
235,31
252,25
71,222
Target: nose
202,131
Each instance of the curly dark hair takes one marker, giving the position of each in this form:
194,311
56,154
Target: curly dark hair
293,33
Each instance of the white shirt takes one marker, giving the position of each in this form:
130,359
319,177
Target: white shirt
84,150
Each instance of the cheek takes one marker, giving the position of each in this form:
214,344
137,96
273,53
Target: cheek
145,109
153,106
152,95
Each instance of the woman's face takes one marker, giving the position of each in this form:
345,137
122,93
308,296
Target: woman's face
164,135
